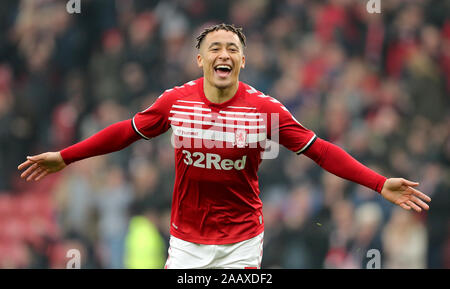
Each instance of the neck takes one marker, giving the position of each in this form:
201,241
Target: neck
219,95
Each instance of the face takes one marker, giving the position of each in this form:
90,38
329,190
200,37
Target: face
221,57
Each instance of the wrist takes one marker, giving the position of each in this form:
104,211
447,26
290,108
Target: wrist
61,158
382,183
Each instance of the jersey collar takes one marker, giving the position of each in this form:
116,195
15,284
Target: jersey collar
237,95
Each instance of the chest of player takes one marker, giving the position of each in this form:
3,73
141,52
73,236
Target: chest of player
213,138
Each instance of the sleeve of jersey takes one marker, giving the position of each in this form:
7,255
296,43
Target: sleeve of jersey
154,120
338,162
113,138
286,130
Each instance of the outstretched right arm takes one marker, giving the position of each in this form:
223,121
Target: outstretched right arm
146,124
113,138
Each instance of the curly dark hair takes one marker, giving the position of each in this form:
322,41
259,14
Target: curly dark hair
223,26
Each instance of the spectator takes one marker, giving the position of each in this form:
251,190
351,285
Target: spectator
404,242
112,202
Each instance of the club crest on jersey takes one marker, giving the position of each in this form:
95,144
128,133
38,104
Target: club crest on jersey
240,138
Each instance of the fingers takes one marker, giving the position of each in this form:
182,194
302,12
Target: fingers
35,158
29,171
25,164
410,183
419,202
420,195
38,166
417,198
405,206
35,173
42,175
39,175
30,160
414,206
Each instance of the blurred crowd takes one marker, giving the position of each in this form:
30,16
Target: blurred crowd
378,85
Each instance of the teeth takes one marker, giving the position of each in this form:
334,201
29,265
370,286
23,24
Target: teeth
223,67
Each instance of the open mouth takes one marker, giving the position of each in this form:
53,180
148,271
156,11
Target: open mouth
223,70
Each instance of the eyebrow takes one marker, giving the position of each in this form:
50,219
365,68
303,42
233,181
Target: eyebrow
227,44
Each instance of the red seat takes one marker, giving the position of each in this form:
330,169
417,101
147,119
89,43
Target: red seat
6,205
14,229
14,255
27,205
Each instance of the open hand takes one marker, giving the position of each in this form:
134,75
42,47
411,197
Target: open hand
39,166
401,192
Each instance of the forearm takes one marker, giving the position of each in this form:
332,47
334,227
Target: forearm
338,162
113,138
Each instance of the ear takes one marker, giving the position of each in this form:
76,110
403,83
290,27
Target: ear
199,60
243,62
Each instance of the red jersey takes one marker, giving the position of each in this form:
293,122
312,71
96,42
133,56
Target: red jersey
218,149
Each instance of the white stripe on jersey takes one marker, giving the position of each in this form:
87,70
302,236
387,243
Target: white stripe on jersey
241,107
175,112
135,128
240,119
215,135
191,107
188,101
240,113
307,145
186,120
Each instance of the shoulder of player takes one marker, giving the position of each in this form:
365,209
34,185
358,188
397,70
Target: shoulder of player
262,101
181,92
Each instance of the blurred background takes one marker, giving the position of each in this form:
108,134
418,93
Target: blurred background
377,85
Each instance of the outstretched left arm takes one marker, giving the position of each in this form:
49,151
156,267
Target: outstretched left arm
338,162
